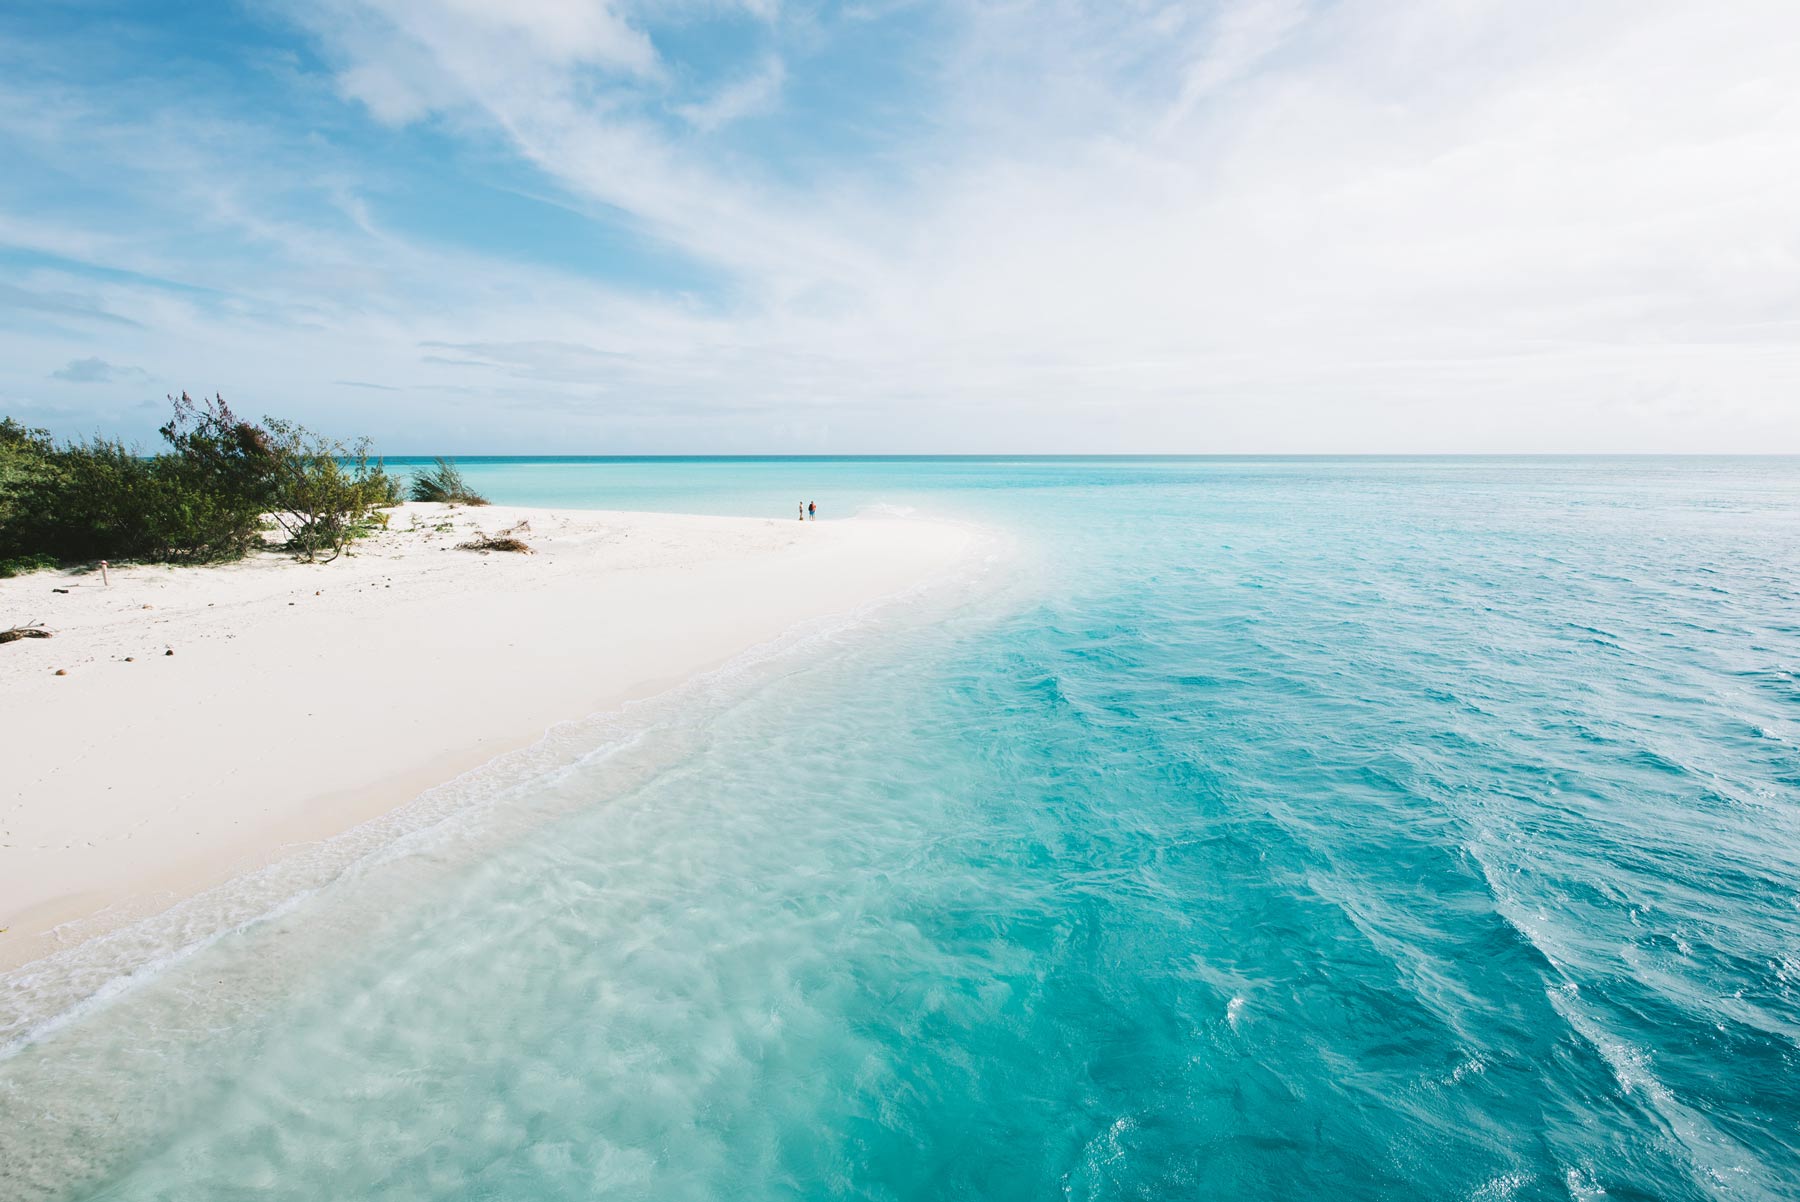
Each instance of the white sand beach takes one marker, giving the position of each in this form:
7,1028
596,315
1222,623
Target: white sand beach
213,718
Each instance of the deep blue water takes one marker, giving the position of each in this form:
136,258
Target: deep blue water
1350,829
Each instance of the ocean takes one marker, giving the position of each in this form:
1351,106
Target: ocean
1228,828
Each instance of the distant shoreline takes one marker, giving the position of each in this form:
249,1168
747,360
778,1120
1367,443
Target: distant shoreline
301,700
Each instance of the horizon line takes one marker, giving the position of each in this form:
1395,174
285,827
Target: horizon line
1047,455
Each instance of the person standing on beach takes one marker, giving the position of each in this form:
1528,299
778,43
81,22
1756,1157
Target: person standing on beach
803,511
812,511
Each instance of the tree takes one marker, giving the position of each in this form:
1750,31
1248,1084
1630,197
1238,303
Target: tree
324,493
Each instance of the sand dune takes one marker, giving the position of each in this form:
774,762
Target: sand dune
302,699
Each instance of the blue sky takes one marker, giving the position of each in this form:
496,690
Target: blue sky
717,226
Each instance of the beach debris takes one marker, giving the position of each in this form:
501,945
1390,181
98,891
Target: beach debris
62,671
103,577
131,659
170,651
59,590
504,541
31,630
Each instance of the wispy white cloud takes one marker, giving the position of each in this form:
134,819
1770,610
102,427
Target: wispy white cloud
1239,38
584,115
753,94
407,58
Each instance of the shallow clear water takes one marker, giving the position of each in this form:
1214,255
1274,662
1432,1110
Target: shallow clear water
1287,828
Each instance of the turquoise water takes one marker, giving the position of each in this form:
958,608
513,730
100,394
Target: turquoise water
1348,829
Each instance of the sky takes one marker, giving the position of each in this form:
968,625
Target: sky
910,226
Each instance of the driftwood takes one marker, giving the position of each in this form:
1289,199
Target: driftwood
495,542
31,630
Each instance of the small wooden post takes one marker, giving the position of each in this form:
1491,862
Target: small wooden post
103,577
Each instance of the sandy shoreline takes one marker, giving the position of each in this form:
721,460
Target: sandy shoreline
303,699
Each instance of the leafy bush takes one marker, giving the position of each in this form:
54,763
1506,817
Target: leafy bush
203,499
24,456
92,499
22,451
21,564
387,490
443,482
220,481
100,498
324,493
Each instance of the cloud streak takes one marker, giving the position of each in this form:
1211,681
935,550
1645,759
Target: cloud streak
97,371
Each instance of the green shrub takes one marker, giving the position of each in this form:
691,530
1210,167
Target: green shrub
443,482
387,489
324,493
204,499
92,500
23,451
101,499
19,565
24,456
218,455
97,499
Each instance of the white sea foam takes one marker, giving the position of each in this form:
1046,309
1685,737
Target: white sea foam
1501,1188
1713,1156
1582,1186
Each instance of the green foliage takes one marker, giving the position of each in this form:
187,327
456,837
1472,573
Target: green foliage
100,499
90,500
204,499
444,483
217,454
22,451
24,456
388,489
21,564
215,485
324,493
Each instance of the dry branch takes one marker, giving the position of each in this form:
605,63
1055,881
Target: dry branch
31,630
495,542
